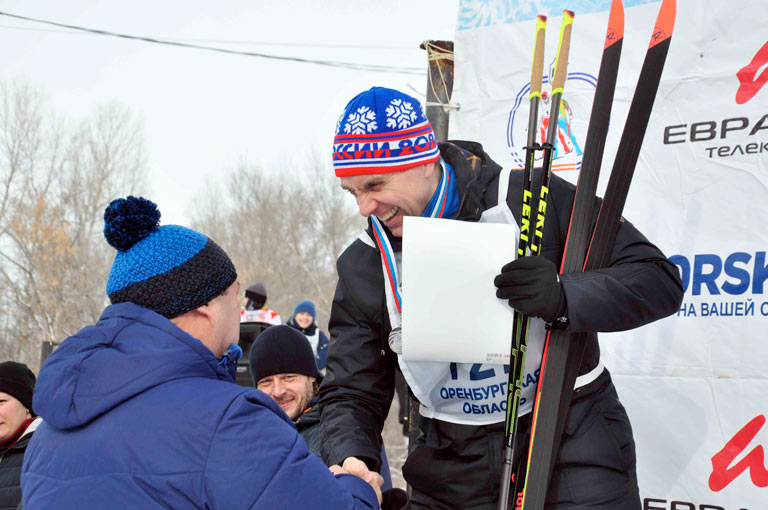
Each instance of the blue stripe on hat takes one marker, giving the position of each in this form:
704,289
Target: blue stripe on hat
164,249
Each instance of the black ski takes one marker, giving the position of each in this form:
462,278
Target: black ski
563,351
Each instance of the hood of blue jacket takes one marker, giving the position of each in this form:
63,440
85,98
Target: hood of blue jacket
130,350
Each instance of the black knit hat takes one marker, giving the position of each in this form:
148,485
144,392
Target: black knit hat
169,269
281,350
17,380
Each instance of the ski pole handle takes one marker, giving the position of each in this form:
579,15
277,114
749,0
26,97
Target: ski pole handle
537,70
561,64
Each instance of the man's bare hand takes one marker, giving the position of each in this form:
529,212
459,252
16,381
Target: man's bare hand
355,466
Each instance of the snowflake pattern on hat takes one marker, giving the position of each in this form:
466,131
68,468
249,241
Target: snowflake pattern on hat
361,121
382,130
400,114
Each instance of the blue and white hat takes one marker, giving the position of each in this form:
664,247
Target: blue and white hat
169,269
382,130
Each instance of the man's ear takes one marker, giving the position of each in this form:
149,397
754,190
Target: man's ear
429,169
204,311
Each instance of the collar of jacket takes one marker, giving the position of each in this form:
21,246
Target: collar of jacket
309,330
474,171
309,416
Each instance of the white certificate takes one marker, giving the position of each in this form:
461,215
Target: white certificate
450,311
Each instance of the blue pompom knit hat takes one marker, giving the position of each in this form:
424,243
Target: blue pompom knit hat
382,130
169,269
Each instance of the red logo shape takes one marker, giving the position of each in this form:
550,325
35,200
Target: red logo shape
749,82
754,461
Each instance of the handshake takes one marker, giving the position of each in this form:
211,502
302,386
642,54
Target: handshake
393,499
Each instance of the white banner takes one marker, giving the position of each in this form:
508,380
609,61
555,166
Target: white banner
696,384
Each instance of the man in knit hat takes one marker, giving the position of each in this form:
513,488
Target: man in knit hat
387,158
141,411
282,365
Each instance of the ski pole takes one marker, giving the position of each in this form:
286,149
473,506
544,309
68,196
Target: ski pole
532,241
517,352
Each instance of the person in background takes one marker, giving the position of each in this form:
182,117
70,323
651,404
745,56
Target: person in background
303,320
282,365
141,411
17,425
254,306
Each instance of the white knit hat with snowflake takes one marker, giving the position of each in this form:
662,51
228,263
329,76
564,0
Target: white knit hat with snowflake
382,130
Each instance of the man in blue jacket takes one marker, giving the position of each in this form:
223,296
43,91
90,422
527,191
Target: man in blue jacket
141,411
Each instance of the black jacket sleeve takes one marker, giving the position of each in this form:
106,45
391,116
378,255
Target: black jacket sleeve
357,390
640,284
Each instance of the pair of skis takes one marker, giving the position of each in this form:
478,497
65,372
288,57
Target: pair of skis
587,249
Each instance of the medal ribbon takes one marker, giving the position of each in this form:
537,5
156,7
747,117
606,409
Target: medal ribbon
444,203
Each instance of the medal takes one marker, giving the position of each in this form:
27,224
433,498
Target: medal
396,341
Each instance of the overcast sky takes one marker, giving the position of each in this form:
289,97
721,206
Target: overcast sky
204,112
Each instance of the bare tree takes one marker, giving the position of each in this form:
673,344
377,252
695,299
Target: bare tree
55,181
285,230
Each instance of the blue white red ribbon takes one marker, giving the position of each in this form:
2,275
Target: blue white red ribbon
388,261
444,203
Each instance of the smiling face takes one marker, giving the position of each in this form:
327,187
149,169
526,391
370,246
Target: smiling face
392,196
293,392
304,319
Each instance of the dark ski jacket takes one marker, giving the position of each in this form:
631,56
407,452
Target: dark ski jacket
308,425
322,342
10,469
640,286
139,414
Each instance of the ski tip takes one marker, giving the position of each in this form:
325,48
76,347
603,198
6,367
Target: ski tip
542,18
541,23
568,17
665,23
615,24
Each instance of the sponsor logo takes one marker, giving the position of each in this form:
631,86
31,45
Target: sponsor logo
753,462
663,504
573,117
732,136
753,76
735,274
709,274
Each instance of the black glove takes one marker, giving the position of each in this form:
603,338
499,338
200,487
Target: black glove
394,499
532,285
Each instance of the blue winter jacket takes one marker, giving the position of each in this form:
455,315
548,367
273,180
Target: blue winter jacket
139,414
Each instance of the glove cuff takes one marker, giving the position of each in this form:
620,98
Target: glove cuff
557,316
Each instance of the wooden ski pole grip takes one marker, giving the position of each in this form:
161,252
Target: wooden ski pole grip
537,70
561,65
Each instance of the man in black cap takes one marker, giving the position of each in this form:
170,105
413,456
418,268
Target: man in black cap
283,366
